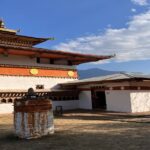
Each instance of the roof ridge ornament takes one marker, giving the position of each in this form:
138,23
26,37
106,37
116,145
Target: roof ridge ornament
4,29
2,24
51,38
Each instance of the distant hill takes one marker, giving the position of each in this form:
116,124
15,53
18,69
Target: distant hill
89,73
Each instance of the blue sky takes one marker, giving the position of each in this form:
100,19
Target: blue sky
88,26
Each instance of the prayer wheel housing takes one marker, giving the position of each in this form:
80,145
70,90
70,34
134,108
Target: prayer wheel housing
33,116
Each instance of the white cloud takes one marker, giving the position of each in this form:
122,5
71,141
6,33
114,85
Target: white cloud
133,10
131,43
140,2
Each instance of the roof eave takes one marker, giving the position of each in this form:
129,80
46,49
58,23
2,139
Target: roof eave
104,81
76,58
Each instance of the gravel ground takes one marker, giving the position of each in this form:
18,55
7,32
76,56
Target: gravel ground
84,130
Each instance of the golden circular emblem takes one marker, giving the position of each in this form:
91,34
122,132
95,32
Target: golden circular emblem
34,71
70,73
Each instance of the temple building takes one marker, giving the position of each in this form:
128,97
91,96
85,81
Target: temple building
121,92
22,66
53,74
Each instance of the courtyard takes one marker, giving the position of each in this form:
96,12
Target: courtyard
84,130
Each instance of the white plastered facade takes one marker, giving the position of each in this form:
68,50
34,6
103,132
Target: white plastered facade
130,101
23,83
116,100
24,60
66,105
85,101
140,101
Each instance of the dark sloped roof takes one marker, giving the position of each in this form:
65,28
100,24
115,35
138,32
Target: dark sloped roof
76,58
14,44
21,38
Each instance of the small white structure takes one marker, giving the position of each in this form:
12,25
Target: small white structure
33,118
120,92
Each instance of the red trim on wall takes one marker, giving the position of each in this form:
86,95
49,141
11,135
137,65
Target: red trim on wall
117,88
84,89
131,88
41,72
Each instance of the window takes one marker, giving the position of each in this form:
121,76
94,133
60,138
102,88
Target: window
10,100
3,101
39,87
53,61
69,62
44,61
63,98
38,59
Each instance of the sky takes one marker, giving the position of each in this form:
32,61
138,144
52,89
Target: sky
101,27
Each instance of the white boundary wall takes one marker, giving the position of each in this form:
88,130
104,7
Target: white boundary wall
118,101
6,108
140,101
128,101
85,100
66,105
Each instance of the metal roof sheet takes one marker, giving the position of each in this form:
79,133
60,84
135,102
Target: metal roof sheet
113,77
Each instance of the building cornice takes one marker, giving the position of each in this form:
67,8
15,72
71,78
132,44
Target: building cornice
75,58
35,72
55,67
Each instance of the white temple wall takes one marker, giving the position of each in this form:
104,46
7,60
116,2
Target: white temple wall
19,83
85,100
140,101
24,60
128,101
6,108
24,83
17,60
66,105
118,101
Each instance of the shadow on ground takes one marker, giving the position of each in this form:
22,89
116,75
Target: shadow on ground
110,116
84,134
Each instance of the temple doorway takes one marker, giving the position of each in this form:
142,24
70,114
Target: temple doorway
98,99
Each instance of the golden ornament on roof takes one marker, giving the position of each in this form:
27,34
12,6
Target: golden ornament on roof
34,71
2,25
70,73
